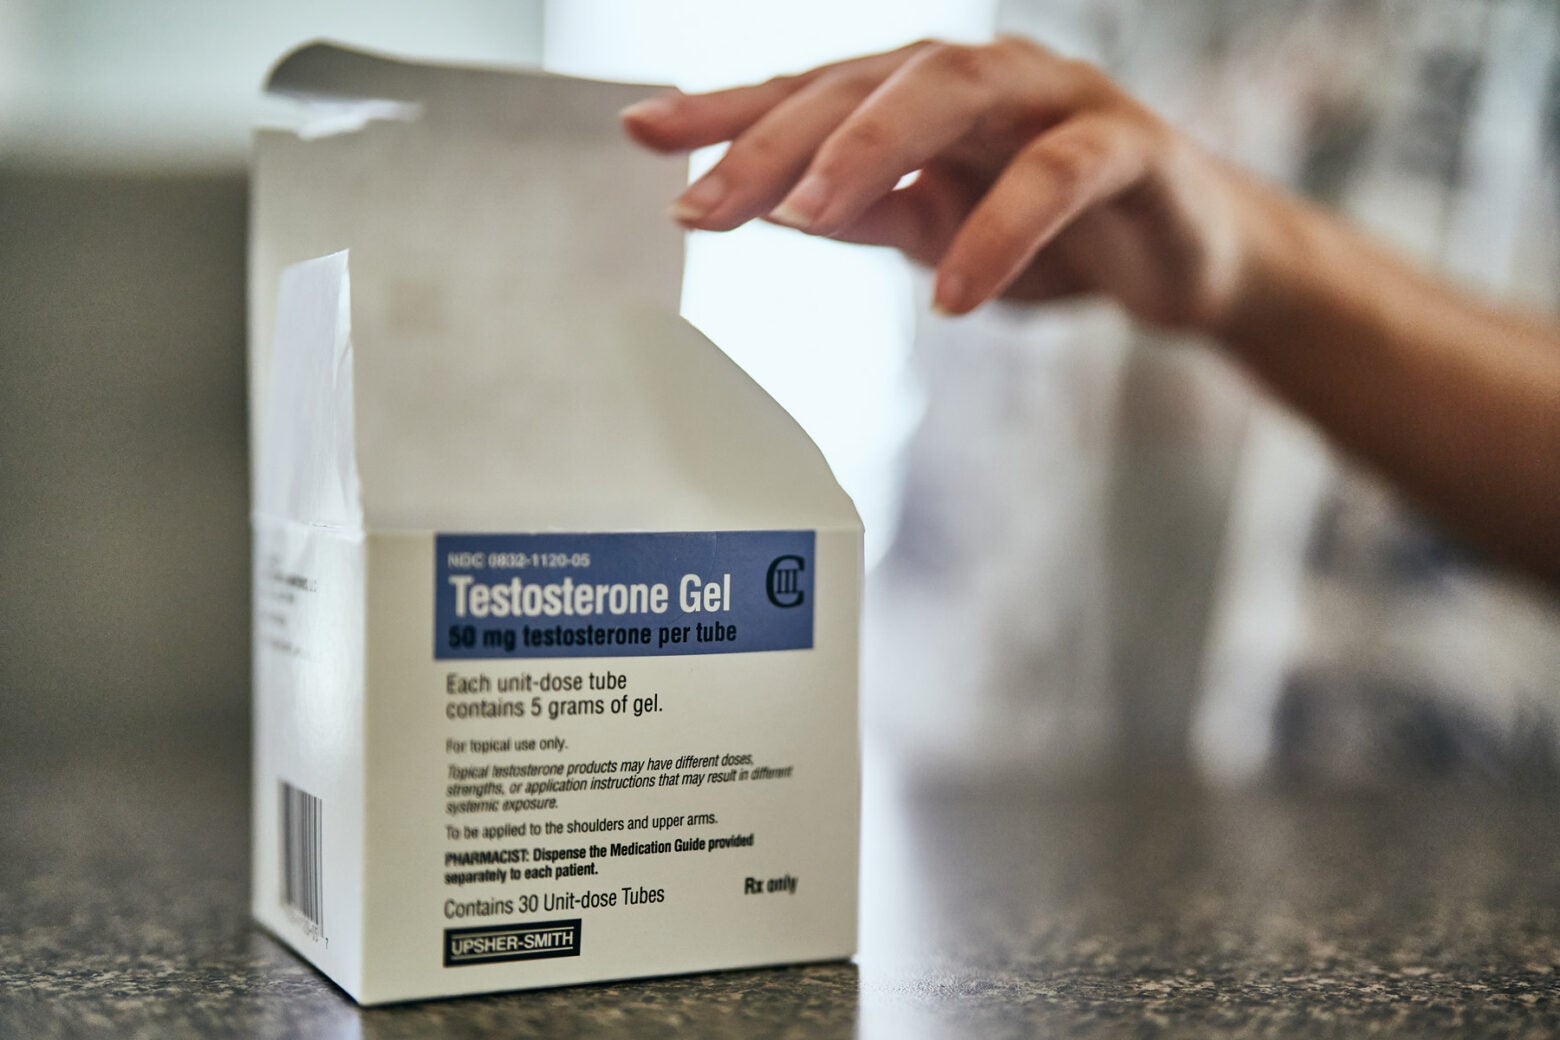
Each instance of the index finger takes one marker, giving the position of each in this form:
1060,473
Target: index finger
678,122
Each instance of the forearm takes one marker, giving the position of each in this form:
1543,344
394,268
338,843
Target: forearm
1455,401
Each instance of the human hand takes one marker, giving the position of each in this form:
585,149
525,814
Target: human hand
1037,176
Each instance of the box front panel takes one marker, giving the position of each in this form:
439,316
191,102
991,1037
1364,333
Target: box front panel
602,756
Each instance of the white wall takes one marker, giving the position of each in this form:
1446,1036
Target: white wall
176,82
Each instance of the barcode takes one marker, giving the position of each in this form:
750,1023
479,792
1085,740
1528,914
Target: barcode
301,881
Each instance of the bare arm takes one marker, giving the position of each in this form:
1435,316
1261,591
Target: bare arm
1455,400
1039,178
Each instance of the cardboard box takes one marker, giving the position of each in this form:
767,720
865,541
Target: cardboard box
555,610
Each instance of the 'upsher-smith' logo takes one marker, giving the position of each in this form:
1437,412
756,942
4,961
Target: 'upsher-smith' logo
529,941
783,582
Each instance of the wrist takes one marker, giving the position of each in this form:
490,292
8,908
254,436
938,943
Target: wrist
1269,267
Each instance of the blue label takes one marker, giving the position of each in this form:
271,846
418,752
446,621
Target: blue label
622,595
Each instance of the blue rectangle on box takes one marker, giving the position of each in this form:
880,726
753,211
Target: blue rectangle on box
622,595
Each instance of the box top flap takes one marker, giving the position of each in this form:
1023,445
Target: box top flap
521,177
515,359
327,73
321,69
616,417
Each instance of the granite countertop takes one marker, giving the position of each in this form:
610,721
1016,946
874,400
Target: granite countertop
990,909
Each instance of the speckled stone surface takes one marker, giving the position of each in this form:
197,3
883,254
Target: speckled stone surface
989,910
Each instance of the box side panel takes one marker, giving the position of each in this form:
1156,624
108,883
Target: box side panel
308,761
545,821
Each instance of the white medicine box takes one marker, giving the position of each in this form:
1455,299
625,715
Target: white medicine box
555,619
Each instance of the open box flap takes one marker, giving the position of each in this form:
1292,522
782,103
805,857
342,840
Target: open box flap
515,359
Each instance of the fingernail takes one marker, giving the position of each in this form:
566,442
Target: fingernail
801,208
948,295
652,109
701,197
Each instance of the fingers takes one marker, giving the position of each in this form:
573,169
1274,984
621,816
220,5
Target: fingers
824,151
919,220
1060,175
776,129
941,96
916,113
768,157
677,122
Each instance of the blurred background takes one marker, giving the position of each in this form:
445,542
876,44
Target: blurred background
1095,552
